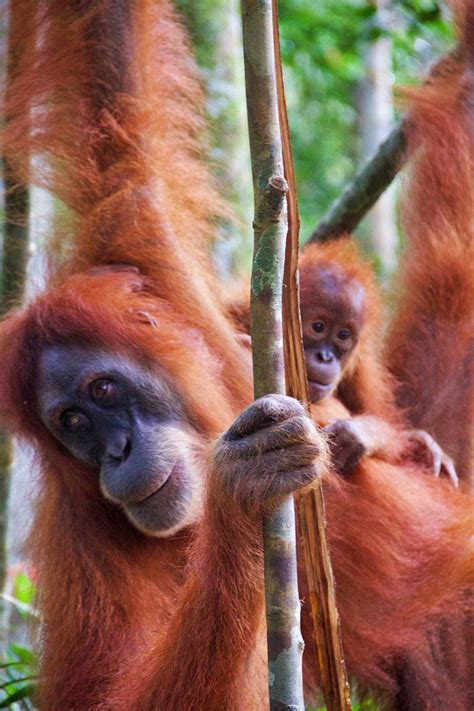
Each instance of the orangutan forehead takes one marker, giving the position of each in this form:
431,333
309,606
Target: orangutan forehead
328,288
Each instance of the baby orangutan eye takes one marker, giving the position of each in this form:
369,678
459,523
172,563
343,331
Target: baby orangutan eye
73,421
344,334
318,326
102,391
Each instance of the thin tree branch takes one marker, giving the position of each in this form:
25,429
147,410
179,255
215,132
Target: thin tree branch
374,178
285,644
13,268
311,512
15,242
364,189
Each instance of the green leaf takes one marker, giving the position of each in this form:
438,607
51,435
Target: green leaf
24,655
23,693
14,682
23,589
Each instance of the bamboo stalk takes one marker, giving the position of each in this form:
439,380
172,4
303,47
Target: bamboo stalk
311,512
285,645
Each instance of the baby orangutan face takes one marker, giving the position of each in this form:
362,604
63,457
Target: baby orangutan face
332,313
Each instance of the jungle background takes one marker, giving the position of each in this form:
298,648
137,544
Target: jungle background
342,62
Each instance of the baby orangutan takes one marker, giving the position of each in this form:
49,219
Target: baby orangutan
350,389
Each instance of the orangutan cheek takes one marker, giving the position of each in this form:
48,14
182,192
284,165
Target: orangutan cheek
178,503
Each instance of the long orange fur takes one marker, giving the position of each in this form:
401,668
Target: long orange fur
175,624
430,346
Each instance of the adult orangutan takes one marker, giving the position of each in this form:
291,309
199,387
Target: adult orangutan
104,373
352,393
430,353
126,369
430,344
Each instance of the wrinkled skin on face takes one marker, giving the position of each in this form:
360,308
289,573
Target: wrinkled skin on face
332,323
125,422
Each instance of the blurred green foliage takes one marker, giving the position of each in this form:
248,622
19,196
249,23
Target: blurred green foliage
367,705
17,679
18,666
322,48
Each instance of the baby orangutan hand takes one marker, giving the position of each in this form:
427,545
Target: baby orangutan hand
346,445
425,450
272,449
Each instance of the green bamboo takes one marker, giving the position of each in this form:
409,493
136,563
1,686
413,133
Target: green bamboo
285,644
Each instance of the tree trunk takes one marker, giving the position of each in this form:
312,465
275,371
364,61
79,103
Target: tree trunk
376,121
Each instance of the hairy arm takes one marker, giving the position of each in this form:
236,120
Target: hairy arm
271,450
351,439
361,436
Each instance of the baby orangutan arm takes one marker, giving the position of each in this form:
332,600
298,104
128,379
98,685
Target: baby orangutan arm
423,449
361,436
353,438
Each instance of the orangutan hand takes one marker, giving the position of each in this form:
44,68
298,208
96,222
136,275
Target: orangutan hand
272,449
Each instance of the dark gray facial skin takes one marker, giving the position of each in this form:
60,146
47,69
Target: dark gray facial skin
332,322
126,423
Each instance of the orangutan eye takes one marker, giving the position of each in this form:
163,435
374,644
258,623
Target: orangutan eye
318,326
344,334
73,421
102,391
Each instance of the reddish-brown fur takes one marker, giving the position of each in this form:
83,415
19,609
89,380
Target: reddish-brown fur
366,385
430,353
430,346
413,532
175,624
128,167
